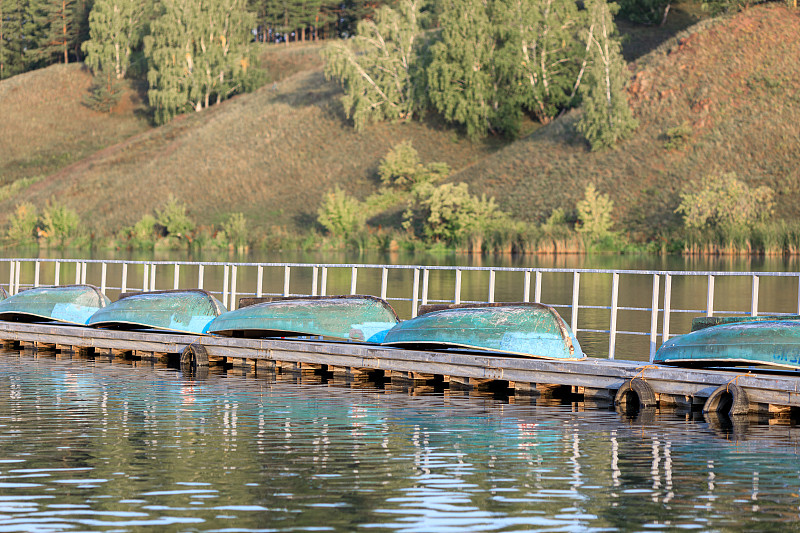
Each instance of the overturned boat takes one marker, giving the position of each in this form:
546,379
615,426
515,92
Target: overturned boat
181,311
528,329
736,341
354,317
71,304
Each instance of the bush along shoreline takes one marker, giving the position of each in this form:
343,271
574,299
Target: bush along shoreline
416,209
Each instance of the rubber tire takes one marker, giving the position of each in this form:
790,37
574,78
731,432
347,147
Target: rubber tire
194,356
718,401
643,391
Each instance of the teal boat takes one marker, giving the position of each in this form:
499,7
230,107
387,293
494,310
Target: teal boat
736,341
528,329
181,311
358,318
71,304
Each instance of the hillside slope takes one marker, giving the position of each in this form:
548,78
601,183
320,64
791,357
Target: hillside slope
734,82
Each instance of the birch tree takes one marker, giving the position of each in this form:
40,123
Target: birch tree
607,117
116,28
380,68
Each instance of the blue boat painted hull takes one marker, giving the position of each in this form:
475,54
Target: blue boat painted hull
183,311
71,304
772,343
527,329
360,318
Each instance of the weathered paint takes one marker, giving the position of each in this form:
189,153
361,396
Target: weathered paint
362,318
773,343
185,311
703,322
528,329
73,304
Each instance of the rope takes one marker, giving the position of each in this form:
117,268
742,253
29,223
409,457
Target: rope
641,370
734,379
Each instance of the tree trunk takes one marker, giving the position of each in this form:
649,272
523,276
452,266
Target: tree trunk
666,12
64,28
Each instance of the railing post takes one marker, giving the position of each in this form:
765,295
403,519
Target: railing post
176,277
576,285
103,274
457,295
654,318
83,273
491,286
260,281
36,270
77,272
146,277
353,279
384,282
426,276
57,278
314,277
201,270
13,266
415,295
17,276
124,284
612,334
710,296
526,291
233,287
667,307
323,286
225,274
537,294
153,277
287,272
754,297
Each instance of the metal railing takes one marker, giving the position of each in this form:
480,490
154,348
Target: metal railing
416,291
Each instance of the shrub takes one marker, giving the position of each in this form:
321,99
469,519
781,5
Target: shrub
142,234
22,224
174,218
104,94
235,229
60,222
342,215
594,214
678,136
402,169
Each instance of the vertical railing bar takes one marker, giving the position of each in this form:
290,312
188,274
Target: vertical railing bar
457,295
415,295
57,279
491,286
654,318
798,294
145,277
152,277
176,277
77,272
353,279
124,285
612,335
233,287
201,271
16,277
12,266
314,279
103,274
754,297
36,272
576,283
260,281
287,273
537,294
323,285
384,282
426,276
225,274
710,296
83,273
667,307
526,291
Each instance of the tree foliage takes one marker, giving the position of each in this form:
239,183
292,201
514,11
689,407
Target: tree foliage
60,222
594,214
607,117
116,28
198,53
380,67
401,169
12,38
174,219
341,214
22,224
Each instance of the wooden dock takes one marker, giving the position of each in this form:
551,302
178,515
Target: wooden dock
629,384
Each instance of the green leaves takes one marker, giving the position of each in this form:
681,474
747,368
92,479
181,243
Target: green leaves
116,27
342,215
594,214
726,202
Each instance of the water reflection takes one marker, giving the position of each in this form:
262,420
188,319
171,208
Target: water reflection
96,446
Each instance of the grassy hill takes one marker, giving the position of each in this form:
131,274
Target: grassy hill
272,154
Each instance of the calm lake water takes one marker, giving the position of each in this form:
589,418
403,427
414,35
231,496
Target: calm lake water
88,445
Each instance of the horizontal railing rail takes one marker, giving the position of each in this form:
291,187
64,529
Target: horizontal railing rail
653,298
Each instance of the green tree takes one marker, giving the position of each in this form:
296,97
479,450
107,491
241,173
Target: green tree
51,31
116,28
401,168
607,117
543,55
462,77
380,68
12,38
22,224
724,201
341,214
644,11
60,223
199,54
174,218
594,214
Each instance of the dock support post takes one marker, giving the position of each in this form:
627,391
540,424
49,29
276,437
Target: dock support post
576,284
654,318
415,295
754,297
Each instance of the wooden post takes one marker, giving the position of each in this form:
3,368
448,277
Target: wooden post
612,335
654,318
